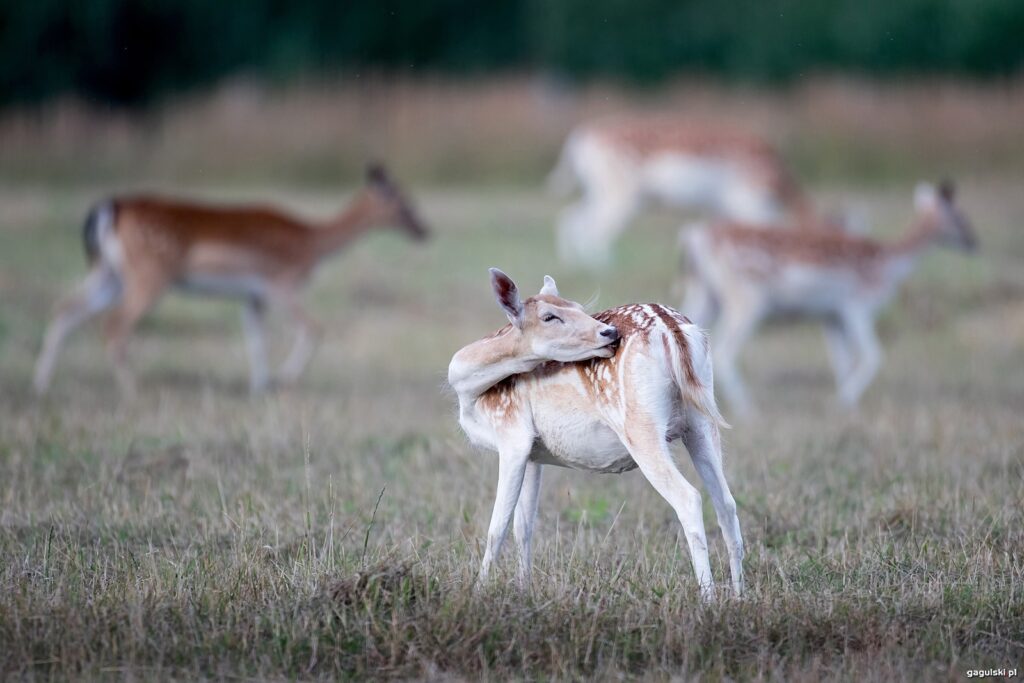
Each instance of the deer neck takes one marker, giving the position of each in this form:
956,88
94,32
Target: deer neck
904,253
804,211
354,220
483,364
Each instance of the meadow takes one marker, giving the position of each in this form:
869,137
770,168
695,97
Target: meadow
333,530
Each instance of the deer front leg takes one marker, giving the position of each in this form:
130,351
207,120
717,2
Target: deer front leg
512,462
307,337
525,517
839,354
739,320
861,331
253,319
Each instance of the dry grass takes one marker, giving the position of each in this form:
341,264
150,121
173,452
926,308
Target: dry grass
201,533
502,130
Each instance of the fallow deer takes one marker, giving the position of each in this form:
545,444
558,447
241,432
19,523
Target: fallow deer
606,393
620,163
140,246
744,275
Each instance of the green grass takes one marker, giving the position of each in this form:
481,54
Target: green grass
200,533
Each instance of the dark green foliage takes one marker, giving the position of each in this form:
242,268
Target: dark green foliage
130,51
747,39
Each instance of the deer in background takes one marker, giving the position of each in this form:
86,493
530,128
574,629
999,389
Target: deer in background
140,246
745,275
606,393
620,163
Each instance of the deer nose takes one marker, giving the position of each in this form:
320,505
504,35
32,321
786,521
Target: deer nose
610,333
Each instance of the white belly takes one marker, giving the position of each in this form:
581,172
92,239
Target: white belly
224,285
688,181
569,435
708,183
581,441
811,291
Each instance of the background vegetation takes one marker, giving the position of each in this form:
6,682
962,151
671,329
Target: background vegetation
199,533
499,132
131,51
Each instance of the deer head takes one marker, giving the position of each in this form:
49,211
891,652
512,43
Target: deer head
554,328
386,204
937,211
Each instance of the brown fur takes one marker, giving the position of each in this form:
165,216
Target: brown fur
827,248
672,320
502,402
824,248
256,252
648,137
174,236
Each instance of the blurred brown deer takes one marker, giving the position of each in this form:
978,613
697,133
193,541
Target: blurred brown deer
140,246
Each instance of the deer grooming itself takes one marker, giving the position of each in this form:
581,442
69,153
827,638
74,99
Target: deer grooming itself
621,163
606,393
140,246
745,275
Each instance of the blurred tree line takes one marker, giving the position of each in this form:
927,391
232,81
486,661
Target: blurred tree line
132,51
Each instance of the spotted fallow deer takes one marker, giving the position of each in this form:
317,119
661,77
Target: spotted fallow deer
743,276
606,393
619,164
138,247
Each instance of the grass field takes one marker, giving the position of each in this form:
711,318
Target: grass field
334,530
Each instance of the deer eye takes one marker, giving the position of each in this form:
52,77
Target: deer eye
551,316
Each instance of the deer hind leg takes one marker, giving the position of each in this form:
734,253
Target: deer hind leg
140,294
525,517
739,320
588,229
840,354
253,323
571,231
703,441
609,217
512,465
307,337
699,302
861,331
100,290
650,450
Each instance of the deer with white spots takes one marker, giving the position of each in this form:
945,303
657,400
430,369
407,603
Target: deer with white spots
619,164
603,393
139,247
743,275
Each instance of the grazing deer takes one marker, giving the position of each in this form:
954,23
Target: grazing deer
140,246
751,274
606,393
619,164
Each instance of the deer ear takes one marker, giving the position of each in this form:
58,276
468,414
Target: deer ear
924,197
376,173
507,294
947,190
549,286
